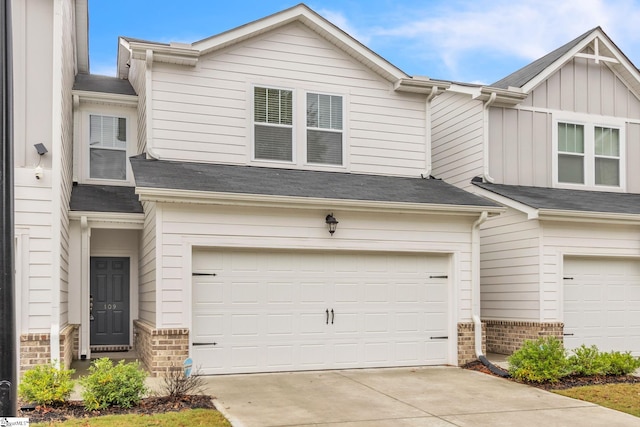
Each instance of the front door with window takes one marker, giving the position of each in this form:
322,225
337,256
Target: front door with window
109,301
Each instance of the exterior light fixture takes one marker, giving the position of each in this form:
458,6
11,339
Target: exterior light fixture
332,223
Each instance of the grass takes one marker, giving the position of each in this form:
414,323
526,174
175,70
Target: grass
621,397
191,418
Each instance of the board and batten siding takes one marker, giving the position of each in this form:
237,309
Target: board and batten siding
147,265
203,114
185,227
456,135
579,239
510,248
520,138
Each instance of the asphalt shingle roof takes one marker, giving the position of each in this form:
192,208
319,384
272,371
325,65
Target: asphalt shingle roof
525,74
105,84
567,200
104,198
298,183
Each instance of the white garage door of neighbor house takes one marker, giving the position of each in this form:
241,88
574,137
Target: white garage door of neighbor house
602,304
259,311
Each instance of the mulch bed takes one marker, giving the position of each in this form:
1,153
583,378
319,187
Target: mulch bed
566,382
148,406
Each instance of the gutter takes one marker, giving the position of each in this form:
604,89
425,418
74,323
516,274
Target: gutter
485,137
475,295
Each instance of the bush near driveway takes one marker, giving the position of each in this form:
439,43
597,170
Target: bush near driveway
107,384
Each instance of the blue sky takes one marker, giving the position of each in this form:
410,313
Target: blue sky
475,41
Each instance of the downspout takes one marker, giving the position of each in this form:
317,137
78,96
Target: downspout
427,133
475,295
148,90
485,138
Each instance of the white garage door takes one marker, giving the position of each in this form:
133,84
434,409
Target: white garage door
286,311
602,304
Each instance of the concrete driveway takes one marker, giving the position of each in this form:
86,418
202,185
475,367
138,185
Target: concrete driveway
425,397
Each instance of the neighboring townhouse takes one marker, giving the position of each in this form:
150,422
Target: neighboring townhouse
258,201
557,142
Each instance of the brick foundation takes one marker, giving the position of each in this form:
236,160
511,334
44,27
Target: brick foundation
160,349
505,337
35,349
466,342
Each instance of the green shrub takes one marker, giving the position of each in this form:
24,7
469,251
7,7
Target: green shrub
108,385
588,361
46,385
539,361
620,363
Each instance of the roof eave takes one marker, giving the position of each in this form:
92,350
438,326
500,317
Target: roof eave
243,199
587,216
424,86
504,97
104,98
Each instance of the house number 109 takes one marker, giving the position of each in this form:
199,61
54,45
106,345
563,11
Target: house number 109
109,306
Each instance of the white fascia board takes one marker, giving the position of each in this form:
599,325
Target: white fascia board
240,199
583,216
421,85
311,19
106,98
504,97
180,55
110,219
532,213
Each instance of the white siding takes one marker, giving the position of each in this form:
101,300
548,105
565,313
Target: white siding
138,82
509,267
457,129
204,114
564,238
183,227
147,289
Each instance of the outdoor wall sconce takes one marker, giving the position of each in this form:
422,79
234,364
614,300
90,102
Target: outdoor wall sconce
332,223
41,150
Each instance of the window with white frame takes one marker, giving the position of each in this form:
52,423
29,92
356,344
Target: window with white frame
273,124
107,147
324,129
589,155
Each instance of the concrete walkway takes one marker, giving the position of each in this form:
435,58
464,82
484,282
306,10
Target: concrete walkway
425,397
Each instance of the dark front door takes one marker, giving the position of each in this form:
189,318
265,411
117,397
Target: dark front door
109,301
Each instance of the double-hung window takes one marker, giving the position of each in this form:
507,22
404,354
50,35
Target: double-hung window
107,147
589,155
324,129
273,124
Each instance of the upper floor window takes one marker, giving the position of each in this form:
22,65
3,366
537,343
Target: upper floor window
278,134
107,147
324,129
589,155
273,124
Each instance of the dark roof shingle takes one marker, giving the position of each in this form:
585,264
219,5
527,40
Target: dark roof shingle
568,200
298,183
104,198
104,84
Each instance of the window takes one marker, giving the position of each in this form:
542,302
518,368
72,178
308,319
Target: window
107,147
273,124
589,155
324,129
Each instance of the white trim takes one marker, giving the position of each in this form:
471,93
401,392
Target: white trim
589,122
102,98
532,213
293,127
110,219
240,199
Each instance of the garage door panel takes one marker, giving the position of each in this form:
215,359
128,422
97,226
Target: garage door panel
601,306
272,314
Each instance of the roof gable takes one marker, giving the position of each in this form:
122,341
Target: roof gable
594,45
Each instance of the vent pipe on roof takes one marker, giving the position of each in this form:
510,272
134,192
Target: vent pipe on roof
485,138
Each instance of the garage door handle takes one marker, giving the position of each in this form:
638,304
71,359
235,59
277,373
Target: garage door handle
568,335
332,316
203,343
327,311
439,338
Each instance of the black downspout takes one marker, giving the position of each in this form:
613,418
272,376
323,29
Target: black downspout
8,377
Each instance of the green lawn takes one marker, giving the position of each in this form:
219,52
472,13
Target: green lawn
190,418
621,397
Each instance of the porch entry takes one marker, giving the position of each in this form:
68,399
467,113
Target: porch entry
109,302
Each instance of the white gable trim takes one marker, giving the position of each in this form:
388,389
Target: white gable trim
623,67
532,213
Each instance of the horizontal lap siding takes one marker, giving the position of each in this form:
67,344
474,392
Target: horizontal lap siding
137,80
457,129
563,238
300,230
509,256
202,114
147,281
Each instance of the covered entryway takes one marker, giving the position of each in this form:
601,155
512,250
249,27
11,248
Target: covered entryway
109,302
266,311
602,303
